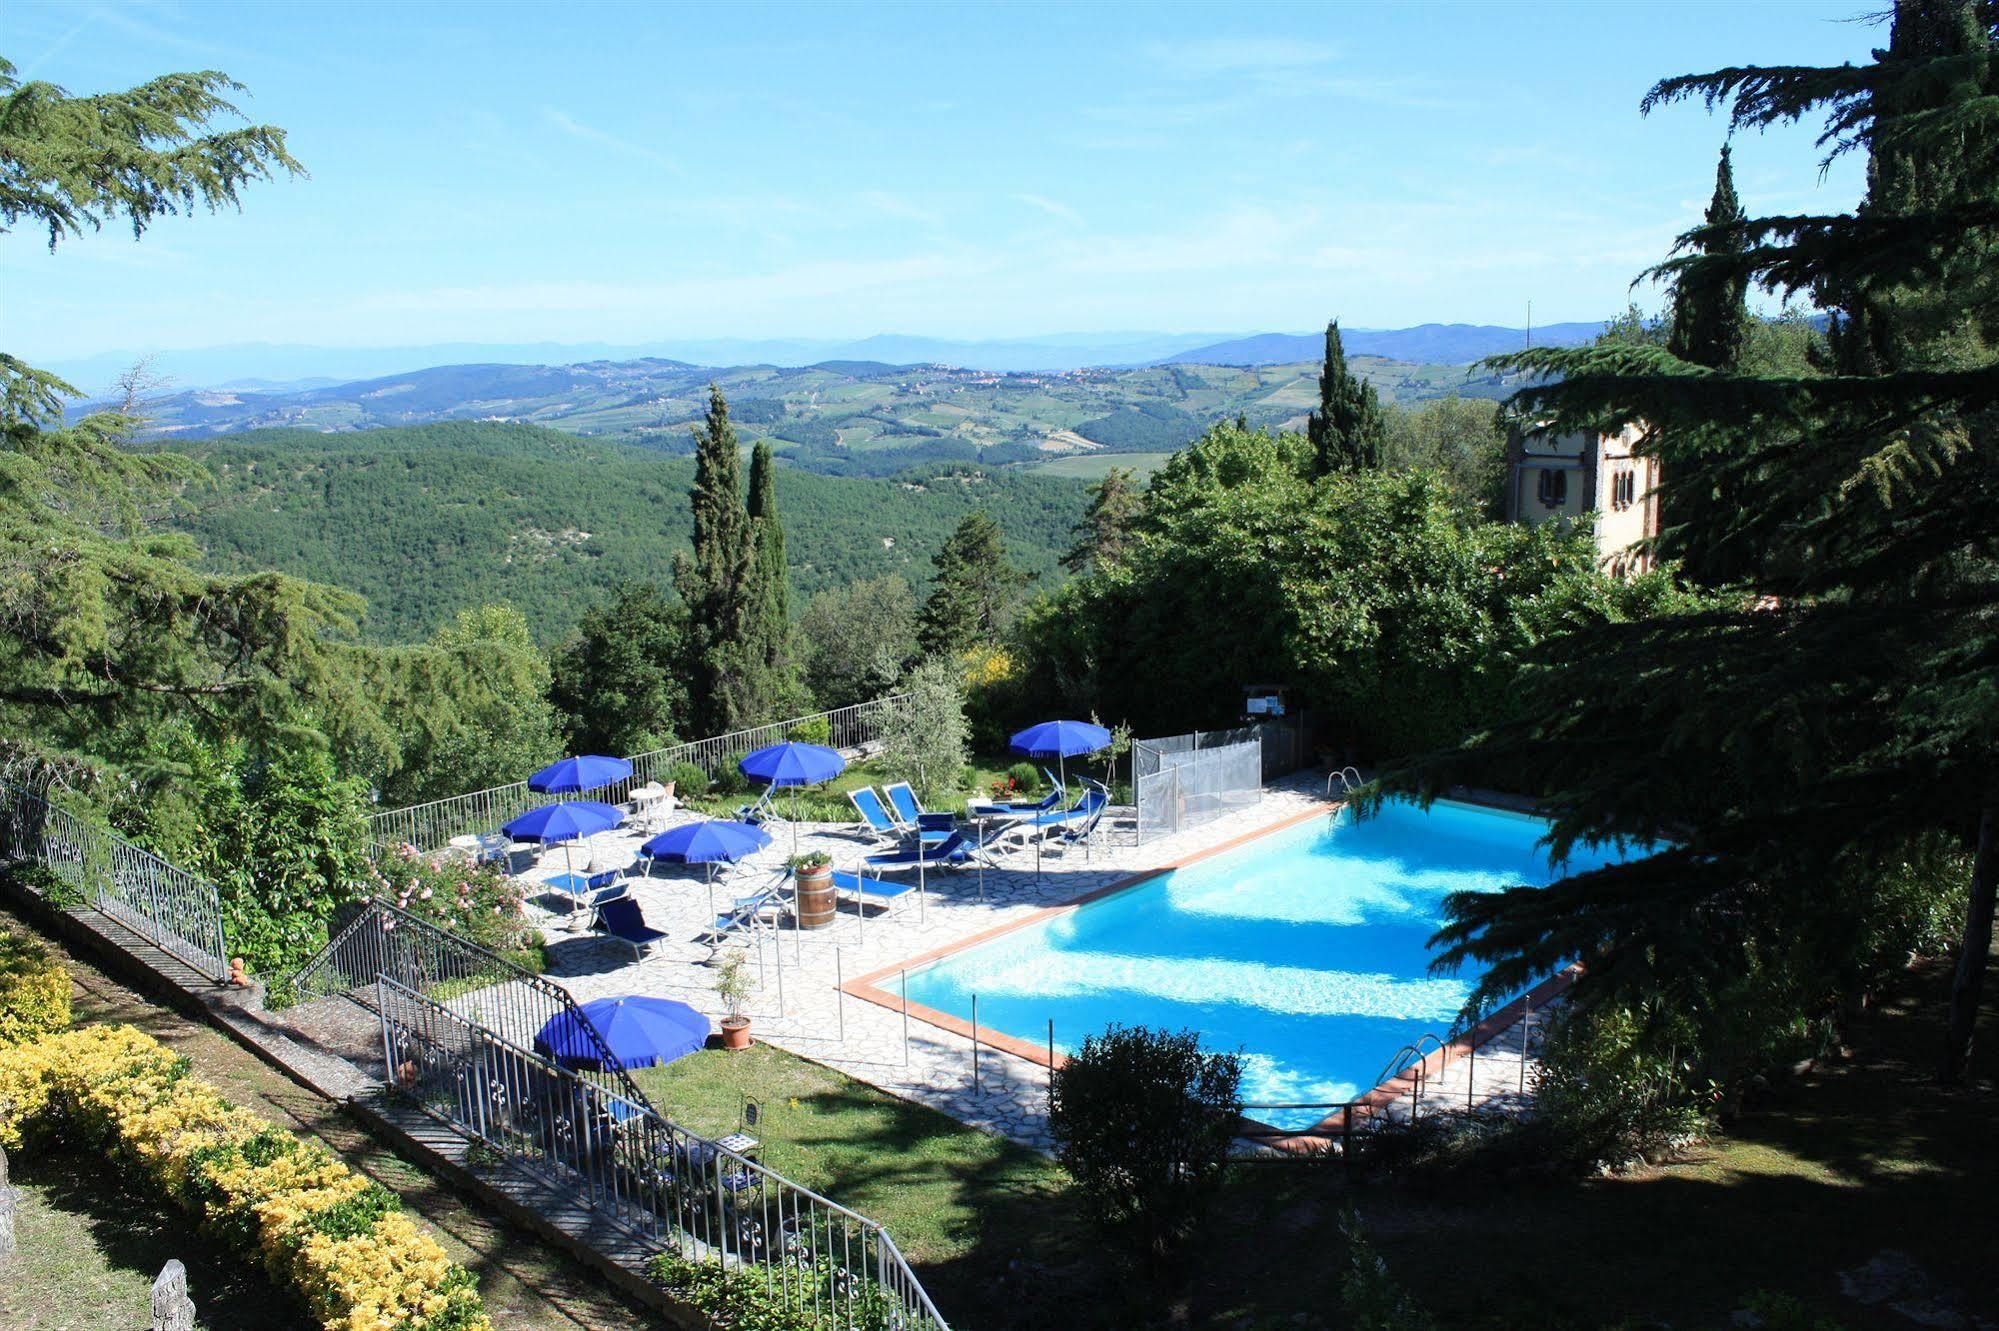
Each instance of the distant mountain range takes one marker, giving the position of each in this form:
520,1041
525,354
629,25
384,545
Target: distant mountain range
263,367
1430,344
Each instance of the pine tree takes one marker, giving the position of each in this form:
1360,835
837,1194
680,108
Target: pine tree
110,625
1105,529
1348,428
1788,744
715,582
976,591
1709,327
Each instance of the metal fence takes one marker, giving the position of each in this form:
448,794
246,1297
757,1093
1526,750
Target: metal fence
647,1175
385,944
431,826
168,907
1182,781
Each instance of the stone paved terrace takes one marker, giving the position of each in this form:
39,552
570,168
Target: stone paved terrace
797,1006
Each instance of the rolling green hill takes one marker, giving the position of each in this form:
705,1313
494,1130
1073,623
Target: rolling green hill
842,418
426,519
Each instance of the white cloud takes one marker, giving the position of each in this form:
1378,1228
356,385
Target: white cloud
576,129
1054,208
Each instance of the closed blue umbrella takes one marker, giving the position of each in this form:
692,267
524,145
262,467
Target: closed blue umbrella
711,841
639,1032
589,772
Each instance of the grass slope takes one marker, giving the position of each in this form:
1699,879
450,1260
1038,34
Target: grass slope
424,520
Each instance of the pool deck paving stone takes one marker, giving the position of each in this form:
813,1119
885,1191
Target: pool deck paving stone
797,1006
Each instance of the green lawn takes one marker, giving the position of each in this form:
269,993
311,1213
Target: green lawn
961,1204
89,1249
1092,466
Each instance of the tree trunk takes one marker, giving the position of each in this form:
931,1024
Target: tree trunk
1976,947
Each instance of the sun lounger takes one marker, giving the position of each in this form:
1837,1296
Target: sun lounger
1068,824
912,813
955,851
743,917
864,891
875,817
760,810
623,920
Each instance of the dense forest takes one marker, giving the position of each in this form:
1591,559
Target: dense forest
425,520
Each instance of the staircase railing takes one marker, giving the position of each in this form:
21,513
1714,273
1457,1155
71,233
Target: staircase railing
384,944
170,908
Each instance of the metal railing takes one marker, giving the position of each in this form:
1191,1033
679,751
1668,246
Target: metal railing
431,826
647,1175
170,908
384,944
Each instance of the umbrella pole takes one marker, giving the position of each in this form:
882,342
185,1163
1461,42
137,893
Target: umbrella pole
710,871
922,886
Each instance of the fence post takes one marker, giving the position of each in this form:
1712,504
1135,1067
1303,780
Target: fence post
6,1212
172,1309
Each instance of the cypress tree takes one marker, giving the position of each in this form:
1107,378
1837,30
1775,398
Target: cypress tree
715,581
1348,429
1710,328
1710,324
767,609
1791,743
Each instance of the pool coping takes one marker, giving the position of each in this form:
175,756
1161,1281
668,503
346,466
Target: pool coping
867,988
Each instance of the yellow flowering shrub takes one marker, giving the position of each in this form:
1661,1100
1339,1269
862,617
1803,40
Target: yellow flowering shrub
34,990
987,668
340,1240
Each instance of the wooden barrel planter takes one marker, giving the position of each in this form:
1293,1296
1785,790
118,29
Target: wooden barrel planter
817,903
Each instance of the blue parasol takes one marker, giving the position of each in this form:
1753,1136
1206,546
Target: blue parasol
589,772
1061,740
711,841
639,1032
563,823
793,764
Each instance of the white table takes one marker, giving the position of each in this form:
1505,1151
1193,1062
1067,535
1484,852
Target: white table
650,801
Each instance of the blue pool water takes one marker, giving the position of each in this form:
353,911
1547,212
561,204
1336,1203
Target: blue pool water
1306,949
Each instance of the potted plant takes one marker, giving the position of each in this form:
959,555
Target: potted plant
816,903
732,986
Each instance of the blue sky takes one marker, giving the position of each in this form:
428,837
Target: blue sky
507,172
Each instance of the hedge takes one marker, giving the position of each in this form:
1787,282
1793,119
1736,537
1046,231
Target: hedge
339,1240
34,990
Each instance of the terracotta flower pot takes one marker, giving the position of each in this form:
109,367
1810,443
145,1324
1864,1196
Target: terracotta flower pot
735,1032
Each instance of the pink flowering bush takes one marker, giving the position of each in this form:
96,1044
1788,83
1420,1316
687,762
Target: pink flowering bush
473,901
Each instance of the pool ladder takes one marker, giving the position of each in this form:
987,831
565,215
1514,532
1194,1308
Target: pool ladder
1349,779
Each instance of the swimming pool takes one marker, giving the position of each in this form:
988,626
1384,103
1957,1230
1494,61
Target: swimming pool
1307,949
